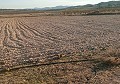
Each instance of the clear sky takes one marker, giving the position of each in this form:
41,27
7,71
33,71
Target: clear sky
16,4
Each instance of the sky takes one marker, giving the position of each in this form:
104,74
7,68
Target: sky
20,4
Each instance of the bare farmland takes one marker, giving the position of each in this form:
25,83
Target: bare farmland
29,41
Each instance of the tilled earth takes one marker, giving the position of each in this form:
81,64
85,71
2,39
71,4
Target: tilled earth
60,49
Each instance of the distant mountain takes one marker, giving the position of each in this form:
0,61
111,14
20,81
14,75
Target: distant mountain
52,8
110,4
87,6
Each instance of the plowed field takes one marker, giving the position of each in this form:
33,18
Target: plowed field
33,41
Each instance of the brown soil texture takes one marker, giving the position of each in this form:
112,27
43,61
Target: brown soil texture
60,50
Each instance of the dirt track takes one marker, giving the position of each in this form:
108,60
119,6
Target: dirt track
39,40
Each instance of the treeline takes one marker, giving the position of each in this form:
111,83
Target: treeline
103,11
